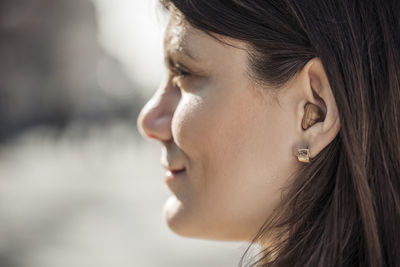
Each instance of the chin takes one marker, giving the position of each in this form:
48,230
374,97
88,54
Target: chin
178,219
183,223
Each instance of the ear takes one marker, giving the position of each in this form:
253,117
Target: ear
318,117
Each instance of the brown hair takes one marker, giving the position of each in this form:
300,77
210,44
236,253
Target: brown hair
343,209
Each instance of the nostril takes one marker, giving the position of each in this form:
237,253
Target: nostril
149,135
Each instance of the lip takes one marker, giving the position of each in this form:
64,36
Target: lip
173,174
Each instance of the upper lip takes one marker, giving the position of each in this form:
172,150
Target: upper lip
172,169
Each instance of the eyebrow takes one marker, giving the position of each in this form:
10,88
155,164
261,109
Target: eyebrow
172,55
186,51
181,51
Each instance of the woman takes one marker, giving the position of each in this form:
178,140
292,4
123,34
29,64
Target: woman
280,125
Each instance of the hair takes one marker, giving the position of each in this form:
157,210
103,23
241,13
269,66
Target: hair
343,208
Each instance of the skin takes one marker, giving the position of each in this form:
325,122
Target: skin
235,139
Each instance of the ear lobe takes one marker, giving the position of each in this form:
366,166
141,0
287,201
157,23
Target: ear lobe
320,121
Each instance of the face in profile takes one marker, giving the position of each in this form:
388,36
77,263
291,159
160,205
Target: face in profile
232,138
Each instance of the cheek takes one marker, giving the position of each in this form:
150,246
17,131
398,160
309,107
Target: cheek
189,122
218,132
246,163
235,144
223,131
202,128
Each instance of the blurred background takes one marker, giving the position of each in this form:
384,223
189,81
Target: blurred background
78,185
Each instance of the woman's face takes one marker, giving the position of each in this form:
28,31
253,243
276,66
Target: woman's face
233,139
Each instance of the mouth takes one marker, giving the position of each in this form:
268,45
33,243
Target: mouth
173,174
177,171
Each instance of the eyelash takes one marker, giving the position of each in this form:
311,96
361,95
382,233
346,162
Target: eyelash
179,71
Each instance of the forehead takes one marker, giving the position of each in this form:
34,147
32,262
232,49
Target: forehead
179,35
183,38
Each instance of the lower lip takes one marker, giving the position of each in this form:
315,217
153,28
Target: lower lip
169,176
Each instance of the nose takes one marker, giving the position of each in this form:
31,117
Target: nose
154,120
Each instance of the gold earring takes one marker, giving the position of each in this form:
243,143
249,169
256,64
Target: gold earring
303,154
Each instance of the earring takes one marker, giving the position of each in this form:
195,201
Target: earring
303,154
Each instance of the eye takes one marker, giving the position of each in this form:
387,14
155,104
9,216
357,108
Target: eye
179,74
179,70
